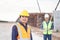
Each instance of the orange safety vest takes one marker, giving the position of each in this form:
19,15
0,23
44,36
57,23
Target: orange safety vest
22,34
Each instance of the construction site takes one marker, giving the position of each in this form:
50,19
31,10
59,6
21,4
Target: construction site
35,19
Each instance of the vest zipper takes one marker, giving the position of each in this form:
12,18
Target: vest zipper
47,28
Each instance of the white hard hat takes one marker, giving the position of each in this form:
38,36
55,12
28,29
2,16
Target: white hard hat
46,16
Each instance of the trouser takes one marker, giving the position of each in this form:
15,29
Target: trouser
49,37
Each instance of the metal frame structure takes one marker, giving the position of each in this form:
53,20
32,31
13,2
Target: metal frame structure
57,5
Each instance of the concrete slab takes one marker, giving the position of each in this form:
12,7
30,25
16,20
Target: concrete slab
37,37
6,29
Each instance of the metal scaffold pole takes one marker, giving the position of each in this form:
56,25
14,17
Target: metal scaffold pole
38,6
57,5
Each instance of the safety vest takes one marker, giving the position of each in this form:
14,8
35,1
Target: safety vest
22,34
47,28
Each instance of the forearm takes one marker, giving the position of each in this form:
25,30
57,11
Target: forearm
31,36
14,33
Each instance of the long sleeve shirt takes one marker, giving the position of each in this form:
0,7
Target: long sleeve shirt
15,32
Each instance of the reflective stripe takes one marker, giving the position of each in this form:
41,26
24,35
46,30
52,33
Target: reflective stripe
20,33
24,39
47,30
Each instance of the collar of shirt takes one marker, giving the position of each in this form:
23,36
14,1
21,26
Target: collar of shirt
24,25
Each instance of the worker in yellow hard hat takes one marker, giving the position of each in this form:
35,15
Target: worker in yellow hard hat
47,27
21,31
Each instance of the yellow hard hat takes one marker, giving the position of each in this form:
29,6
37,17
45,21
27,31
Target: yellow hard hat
24,13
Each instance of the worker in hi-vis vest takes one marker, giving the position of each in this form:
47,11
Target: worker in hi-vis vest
21,30
47,27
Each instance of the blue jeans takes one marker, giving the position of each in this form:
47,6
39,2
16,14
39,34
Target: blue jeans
49,37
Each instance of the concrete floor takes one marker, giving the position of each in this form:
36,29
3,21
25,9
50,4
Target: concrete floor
37,37
6,29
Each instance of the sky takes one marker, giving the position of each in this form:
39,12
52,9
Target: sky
10,9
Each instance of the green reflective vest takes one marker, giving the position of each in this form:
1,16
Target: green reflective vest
47,28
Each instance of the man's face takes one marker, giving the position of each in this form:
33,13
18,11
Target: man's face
24,19
46,19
